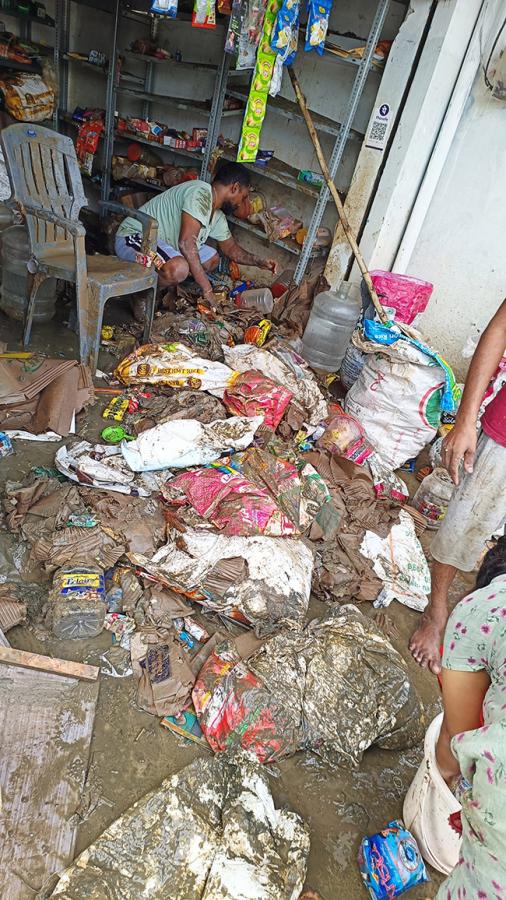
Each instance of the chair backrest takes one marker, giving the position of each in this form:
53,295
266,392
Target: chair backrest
43,170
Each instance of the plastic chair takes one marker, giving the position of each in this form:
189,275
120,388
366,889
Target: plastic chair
47,188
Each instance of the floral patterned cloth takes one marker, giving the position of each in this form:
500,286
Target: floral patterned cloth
475,639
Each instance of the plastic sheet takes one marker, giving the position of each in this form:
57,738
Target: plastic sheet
211,832
187,442
335,687
103,467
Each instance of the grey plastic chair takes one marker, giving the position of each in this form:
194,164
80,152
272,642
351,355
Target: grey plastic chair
47,188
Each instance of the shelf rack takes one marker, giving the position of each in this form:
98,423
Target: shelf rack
225,82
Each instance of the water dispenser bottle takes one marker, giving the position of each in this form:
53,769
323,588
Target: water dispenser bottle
330,326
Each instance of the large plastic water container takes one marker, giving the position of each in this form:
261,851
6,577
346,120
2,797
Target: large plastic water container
330,326
14,293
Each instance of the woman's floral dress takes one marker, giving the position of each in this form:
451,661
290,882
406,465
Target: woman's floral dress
475,639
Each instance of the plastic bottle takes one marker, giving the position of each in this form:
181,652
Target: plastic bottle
282,283
433,496
330,326
77,607
260,299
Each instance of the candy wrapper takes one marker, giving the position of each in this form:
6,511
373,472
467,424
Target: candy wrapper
88,137
390,862
259,91
317,25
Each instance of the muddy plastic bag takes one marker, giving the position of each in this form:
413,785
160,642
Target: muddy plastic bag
335,687
401,564
282,364
251,493
174,365
253,394
409,296
187,442
211,832
102,466
273,582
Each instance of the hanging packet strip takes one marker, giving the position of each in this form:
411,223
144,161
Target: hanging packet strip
204,14
286,31
259,91
317,25
165,8
383,334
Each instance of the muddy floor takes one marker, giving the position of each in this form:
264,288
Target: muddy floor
131,753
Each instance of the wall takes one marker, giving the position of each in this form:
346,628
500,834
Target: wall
461,245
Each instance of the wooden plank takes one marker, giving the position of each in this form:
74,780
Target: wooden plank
46,724
65,667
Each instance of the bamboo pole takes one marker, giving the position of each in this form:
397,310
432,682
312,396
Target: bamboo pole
335,196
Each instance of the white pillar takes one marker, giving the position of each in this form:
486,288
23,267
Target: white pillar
391,91
425,108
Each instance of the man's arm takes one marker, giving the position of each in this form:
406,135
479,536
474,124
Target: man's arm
461,441
190,228
234,251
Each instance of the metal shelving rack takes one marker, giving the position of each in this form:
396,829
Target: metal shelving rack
25,29
284,174
277,170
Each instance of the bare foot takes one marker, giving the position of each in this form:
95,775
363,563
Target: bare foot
426,641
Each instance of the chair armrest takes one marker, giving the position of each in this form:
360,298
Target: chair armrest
76,229
149,224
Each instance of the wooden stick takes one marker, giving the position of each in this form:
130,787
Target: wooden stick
335,196
26,660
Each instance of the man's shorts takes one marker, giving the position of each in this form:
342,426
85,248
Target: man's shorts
476,511
127,246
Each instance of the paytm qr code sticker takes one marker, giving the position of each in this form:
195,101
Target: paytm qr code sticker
377,135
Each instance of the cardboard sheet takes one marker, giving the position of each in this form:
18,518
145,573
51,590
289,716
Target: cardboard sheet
46,723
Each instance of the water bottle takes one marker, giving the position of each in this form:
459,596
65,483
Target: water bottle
433,496
330,326
260,299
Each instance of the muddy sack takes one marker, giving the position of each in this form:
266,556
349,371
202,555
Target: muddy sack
335,687
211,832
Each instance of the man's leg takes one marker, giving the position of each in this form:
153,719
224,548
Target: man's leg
475,512
173,272
426,640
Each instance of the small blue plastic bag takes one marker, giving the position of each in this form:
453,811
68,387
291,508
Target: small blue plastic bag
390,862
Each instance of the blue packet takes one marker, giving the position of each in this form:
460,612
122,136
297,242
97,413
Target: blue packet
390,862
317,25
165,8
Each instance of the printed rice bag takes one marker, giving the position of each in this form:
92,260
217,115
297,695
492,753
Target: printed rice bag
175,365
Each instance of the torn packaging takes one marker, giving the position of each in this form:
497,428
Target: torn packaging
162,671
211,832
103,467
282,364
253,492
276,584
336,687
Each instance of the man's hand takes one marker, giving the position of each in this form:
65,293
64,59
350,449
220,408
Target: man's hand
459,444
271,265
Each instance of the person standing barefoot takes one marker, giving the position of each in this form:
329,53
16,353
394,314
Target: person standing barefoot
478,506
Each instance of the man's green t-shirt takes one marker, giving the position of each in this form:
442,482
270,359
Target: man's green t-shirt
193,197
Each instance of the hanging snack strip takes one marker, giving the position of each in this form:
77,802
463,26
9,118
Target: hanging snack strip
204,14
259,91
317,25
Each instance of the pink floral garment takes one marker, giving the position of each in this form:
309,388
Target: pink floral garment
475,639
